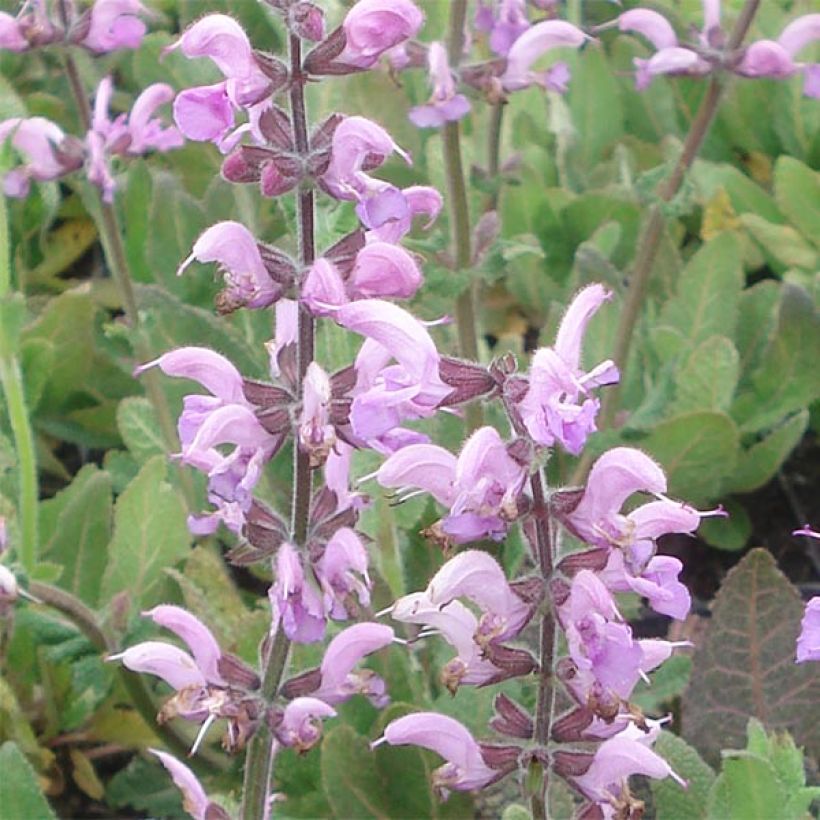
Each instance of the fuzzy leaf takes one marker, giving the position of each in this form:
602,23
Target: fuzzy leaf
150,535
696,450
797,191
139,428
671,801
708,377
744,666
20,795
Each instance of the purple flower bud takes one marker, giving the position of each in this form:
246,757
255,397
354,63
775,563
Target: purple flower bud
338,680
511,718
372,27
445,104
465,769
808,643
534,42
234,248
115,25
300,727
307,21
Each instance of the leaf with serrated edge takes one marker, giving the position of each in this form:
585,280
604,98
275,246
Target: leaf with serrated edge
82,531
744,666
20,795
706,302
696,450
150,534
671,801
747,789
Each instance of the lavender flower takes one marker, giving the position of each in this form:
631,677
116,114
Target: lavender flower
194,800
115,24
808,643
445,104
373,27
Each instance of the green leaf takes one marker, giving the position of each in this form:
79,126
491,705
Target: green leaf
81,533
757,465
67,324
782,244
747,789
139,428
595,102
797,191
150,534
37,358
351,781
671,801
20,795
696,451
788,378
707,378
757,322
730,533
145,786
706,302
744,665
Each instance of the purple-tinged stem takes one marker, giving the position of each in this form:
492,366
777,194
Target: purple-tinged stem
465,312
651,237
259,762
544,698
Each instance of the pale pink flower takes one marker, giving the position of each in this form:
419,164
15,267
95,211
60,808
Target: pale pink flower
194,800
373,27
115,24
295,598
808,644
300,727
532,44
445,104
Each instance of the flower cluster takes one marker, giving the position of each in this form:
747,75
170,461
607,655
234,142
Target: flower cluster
51,154
708,52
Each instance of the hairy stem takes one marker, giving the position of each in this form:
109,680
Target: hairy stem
544,698
86,621
111,238
259,763
653,231
465,311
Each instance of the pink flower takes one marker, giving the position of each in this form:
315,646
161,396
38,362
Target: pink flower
233,247
533,43
316,435
775,58
618,758
550,409
480,487
11,34
465,769
300,727
386,395
204,113
194,800
115,24
372,27
41,142
295,599
342,572
445,104
808,644
384,270
338,680
419,199
508,24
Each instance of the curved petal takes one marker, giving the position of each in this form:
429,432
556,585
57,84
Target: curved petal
799,33
384,269
176,667
571,331
425,466
532,44
204,113
652,25
347,649
194,799
200,639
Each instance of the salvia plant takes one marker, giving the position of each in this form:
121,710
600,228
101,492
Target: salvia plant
343,434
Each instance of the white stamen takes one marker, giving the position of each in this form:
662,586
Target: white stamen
201,734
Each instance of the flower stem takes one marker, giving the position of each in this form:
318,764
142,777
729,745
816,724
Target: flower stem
260,760
653,231
493,155
465,311
544,698
11,379
111,237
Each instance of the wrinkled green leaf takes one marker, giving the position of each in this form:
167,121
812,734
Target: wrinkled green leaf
797,191
744,665
150,534
707,379
139,428
671,801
